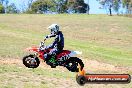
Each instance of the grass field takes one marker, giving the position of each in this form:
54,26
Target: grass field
101,38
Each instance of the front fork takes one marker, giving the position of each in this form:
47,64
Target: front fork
33,60
35,54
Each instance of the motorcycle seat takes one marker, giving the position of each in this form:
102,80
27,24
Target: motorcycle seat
63,53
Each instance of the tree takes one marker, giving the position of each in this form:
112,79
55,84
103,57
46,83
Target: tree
61,5
2,1
41,6
88,8
11,8
6,4
116,5
109,4
78,6
70,5
30,3
128,5
23,7
2,9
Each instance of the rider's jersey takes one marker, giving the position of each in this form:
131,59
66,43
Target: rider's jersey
58,42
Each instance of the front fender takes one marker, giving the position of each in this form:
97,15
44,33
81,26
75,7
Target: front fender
33,48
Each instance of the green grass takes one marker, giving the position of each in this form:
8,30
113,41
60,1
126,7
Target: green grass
39,71
100,37
12,75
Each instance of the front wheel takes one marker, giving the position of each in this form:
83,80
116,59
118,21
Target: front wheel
31,61
73,63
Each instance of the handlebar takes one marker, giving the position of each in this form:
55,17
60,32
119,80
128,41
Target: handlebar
42,44
44,39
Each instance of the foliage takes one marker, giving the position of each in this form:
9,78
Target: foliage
1,1
61,5
110,4
41,6
30,3
2,9
11,8
78,6
116,5
128,5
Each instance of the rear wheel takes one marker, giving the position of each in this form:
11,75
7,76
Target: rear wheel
73,63
31,61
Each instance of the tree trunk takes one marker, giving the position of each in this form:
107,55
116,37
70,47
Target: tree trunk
110,10
88,8
30,4
127,7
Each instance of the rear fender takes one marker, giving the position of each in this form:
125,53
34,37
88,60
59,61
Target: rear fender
74,53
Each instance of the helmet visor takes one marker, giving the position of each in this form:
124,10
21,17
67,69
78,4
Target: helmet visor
52,31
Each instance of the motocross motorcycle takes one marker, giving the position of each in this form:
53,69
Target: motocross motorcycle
65,58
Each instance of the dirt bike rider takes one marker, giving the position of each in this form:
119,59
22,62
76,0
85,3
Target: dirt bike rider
57,45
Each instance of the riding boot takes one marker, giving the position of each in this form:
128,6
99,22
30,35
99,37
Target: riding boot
50,60
53,62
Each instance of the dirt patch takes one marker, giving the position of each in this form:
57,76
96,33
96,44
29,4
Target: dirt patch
99,67
49,82
91,66
9,61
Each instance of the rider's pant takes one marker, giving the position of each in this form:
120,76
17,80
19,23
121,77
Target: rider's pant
53,51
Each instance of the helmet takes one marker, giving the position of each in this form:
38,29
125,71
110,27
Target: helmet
54,28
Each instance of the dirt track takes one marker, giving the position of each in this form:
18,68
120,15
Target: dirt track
91,66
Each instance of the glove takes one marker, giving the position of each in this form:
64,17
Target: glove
42,48
48,36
